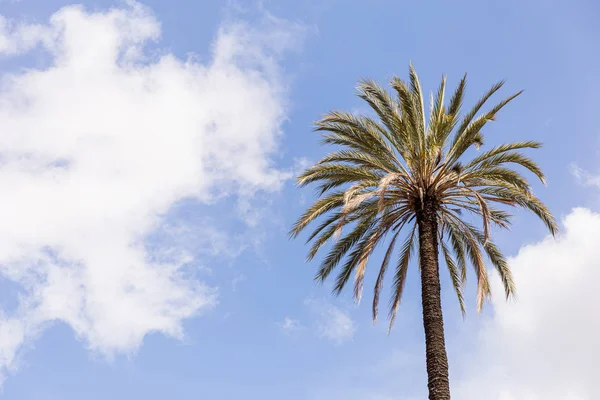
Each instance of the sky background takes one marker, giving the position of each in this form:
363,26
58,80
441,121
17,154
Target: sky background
147,156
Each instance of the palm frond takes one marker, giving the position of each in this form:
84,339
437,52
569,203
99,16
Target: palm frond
381,275
455,276
400,276
387,169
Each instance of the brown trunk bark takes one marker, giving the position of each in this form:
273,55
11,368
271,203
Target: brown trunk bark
437,360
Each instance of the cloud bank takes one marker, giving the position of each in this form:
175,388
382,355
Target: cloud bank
545,345
99,144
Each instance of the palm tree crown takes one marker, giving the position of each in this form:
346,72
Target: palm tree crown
389,170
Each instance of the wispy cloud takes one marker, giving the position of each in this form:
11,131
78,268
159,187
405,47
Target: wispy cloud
235,282
584,177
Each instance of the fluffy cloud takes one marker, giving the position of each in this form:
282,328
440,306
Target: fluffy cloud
95,149
545,344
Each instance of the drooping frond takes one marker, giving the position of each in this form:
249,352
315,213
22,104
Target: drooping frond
400,276
340,248
455,276
502,149
319,207
381,275
471,245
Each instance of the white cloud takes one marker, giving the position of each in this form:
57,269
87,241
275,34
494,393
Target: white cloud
98,146
290,326
545,344
332,323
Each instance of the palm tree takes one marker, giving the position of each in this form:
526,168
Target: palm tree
403,176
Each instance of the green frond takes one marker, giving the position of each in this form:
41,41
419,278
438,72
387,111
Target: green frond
485,215
366,212
455,276
471,245
436,119
496,176
492,113
515,158
473,112
415,87
502,149
338,173
381,102
381,275
410,124
465,134
383,186
358,133
324,232
483,285
454,106
500,218
358,256
459,251
497,259
396,138
356,158
361,128
342,247
318,208
366,252
327,185
466,138
534,205
523,200
400,276
357,260
336,136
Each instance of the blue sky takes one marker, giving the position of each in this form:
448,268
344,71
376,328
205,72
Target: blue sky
148,153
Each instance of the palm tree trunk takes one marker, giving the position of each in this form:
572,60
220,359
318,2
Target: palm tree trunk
437,360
